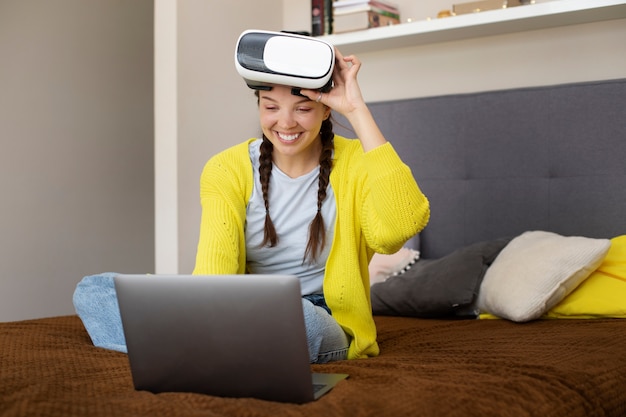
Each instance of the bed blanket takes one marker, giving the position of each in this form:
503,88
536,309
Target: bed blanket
574,368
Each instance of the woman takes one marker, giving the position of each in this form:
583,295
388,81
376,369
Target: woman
306,202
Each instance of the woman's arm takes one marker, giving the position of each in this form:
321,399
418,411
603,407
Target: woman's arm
225,185
345,97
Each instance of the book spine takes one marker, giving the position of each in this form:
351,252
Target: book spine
328,17
317,17
378,20
362,20
385,12
384,6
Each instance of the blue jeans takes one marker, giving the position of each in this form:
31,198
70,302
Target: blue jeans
95,301
326,339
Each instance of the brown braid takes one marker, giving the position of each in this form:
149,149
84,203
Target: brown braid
317,230
270,238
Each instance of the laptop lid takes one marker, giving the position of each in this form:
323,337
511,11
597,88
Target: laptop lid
223,335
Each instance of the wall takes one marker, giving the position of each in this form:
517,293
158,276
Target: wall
216,114
76,166
566,54
215,108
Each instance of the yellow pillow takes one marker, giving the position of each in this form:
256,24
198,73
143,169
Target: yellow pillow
603,293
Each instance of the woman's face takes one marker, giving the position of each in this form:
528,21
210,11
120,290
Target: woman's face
292,123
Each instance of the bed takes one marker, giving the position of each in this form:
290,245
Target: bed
494,165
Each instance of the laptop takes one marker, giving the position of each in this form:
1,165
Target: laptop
222,335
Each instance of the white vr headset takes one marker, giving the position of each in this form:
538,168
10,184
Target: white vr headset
265,58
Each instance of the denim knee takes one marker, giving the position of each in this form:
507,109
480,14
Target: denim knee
326,339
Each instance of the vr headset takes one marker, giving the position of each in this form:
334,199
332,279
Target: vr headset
265,58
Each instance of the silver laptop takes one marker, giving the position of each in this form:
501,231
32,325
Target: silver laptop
222,335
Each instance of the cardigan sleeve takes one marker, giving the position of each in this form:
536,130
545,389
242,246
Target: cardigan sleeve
225,187
393,207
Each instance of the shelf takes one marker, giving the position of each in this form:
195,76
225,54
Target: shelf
493,22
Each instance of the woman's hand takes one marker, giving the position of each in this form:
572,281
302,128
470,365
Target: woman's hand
345,98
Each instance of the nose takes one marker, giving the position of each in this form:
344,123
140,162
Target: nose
286,119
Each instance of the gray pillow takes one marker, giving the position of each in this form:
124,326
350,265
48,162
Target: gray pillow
438,288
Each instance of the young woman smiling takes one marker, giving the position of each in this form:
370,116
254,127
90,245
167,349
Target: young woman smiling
306,202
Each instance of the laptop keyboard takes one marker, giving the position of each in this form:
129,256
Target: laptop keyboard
317,387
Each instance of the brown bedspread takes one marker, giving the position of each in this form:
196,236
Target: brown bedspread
427,368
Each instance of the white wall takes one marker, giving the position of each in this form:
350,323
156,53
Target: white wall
542,57
583,52
216,110
215,107
76,161
166,136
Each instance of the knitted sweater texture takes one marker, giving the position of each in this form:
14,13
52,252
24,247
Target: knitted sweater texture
379,207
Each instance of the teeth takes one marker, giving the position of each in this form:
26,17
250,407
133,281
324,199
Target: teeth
288,137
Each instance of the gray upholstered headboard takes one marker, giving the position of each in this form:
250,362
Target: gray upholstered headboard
496,164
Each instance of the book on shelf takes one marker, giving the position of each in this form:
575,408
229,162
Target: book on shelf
365,8
342,3
361,20
321,17
348,6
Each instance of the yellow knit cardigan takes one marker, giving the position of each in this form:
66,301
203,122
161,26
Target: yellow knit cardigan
379,207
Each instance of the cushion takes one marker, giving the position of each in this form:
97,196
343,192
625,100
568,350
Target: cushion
603,293
536,271
437,288
382,266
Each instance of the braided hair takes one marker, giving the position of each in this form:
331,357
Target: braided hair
317,229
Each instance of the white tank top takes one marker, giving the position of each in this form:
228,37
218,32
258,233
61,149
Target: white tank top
293,205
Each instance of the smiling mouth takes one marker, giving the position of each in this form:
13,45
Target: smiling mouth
287,138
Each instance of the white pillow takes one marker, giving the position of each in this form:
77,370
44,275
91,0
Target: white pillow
382,266
535,271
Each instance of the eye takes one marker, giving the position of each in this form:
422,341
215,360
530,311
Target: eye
303,109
